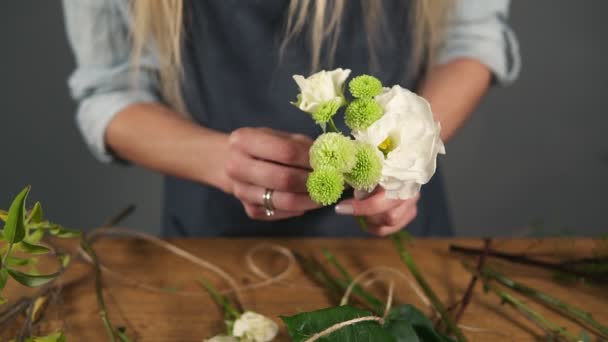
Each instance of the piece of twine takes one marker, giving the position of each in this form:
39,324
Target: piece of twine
266,279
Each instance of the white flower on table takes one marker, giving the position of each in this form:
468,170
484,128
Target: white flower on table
321,94
409,137
253,327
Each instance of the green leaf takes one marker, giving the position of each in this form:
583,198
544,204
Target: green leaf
14,228
303,326
17,261
32,248
34,235
401,319
2,236
31,280
35,214
3,215
64,259
54,337
63,232
3,277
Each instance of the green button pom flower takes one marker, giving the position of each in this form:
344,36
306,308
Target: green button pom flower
365,86
366,173
361,113
326,111
333,151
325,186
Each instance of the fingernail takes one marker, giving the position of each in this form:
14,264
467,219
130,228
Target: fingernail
360,195
345,209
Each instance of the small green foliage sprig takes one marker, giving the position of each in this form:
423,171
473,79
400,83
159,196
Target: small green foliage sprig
23,231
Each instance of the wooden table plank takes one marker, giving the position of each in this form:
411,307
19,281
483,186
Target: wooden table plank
165,316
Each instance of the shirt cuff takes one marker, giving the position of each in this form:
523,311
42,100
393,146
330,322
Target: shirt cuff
499,51
96,112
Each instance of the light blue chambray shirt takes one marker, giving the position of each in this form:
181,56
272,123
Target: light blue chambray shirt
98,31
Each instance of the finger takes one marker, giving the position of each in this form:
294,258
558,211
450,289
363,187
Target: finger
295,136
361,194
375,204
267,145
265,174
393,217
281,200
257,212
388,230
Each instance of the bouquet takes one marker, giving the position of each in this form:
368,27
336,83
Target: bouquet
394,140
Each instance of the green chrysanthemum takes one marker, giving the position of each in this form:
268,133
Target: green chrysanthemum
326,111
325,186
365,86
333,151
367,170
361,113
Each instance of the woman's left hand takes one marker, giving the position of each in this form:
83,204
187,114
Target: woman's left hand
384,216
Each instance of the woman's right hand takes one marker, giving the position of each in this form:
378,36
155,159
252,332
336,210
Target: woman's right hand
260,159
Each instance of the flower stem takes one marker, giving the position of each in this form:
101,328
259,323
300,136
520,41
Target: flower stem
428,291
332,126
230,310
544,323
86,246
374,302
552,302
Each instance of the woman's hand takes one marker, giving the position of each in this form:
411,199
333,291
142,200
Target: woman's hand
260,159
384,216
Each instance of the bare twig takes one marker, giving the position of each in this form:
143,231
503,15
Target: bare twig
466,298
523,259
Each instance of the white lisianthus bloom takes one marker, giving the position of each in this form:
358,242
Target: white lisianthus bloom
254,327
408,136
321,92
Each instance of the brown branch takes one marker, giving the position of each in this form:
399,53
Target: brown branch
525,260
466,298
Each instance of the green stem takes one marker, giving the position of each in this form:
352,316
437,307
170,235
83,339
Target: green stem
375,303
220,300
428,291
332,126
315,270
544,323
86,246
552,302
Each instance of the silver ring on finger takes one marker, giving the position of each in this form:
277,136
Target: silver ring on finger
268,206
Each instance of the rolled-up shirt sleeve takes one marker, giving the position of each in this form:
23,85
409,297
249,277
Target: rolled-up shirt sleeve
102,83
478,29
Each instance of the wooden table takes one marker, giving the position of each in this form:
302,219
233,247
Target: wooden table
171,316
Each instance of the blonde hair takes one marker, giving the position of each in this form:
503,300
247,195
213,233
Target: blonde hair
161,22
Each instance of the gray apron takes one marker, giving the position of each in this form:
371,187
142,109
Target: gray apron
234,78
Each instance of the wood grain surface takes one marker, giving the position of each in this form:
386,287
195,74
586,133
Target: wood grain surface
183,311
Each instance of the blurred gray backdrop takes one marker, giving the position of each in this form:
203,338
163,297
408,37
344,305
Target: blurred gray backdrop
534,155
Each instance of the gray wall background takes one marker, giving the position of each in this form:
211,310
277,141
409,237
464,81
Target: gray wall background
534,154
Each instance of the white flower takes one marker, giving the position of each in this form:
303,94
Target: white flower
222,338
321,88
254,327
409,137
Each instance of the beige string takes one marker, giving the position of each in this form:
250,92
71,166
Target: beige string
341,325
384,269
234,288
